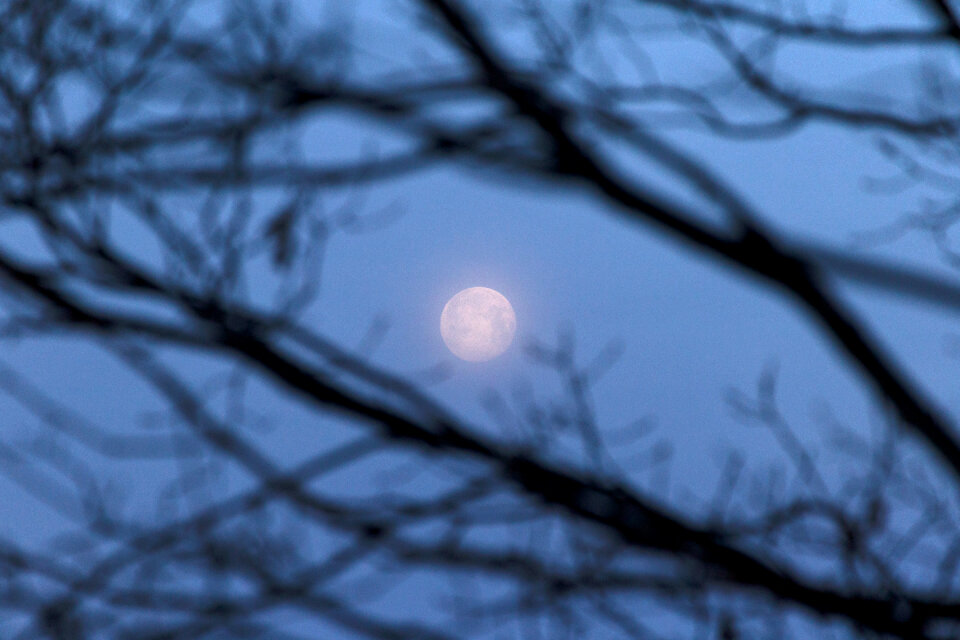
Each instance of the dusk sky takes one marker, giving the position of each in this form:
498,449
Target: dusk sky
678,338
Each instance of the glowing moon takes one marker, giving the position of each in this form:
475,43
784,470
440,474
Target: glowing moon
478,324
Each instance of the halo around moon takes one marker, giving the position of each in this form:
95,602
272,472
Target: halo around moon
478,324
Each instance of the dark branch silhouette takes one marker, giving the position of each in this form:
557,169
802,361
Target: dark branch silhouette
150,180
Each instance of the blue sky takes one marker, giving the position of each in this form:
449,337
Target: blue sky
690,329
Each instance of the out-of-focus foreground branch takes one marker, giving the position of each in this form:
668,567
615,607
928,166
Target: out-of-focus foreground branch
157,205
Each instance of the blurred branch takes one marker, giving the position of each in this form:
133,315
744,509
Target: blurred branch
138,215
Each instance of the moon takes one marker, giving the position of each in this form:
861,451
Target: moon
478,324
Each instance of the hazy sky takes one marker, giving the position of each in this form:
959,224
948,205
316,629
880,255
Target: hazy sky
690,329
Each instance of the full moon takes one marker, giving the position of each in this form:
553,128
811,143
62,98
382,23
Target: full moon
478,324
